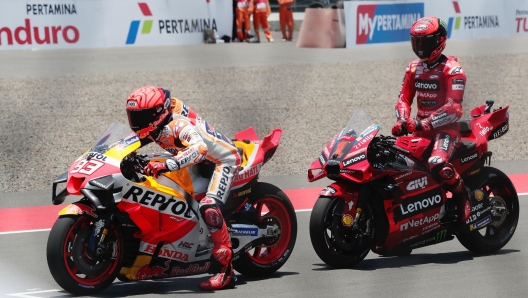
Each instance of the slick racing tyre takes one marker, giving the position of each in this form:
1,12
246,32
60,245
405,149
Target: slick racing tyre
335,244
273,208
69,262
505,212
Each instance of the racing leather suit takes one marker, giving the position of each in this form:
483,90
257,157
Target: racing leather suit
286,18
439,89
192,140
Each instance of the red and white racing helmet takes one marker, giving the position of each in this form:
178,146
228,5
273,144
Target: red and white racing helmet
428,38
147,109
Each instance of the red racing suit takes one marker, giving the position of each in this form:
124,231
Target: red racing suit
439,90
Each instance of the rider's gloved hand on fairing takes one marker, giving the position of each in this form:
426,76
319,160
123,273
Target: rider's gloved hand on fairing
413,125
155,168
398,128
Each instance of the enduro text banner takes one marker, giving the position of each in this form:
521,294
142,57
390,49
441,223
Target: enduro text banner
61,24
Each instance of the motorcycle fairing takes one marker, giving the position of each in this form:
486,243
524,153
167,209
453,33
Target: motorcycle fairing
78,208
414,215
142,269
349,194
159,211
345,156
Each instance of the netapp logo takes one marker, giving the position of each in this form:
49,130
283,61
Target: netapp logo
467,159
418,204
427,85
354,159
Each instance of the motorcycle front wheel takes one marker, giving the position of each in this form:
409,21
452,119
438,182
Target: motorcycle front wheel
273,208
69,262
336,245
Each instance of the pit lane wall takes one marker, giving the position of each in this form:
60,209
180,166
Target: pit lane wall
62,24
375,22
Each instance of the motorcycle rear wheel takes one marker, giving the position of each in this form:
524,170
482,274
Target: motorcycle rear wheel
336,245
67,257
274,208
492,238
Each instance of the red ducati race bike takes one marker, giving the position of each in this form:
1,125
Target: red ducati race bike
136,227
385,199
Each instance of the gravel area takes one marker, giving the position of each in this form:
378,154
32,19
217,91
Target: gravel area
47,122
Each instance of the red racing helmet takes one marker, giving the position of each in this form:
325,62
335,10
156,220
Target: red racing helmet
428,38
147,109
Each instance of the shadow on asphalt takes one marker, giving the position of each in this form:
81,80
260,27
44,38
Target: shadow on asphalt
416,259
188,285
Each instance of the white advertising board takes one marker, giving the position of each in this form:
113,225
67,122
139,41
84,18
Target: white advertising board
371,22
164,22
517,16
60,24
468,19
374,22
53,24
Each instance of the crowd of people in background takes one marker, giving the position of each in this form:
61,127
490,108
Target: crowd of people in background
258,11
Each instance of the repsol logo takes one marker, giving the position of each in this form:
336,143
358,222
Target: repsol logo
418,204
222,187
427,85
158,201
354,159
467,159
95,155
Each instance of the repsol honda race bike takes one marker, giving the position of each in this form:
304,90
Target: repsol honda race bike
385,199
136,227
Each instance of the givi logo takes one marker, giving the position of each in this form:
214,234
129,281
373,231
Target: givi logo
134,26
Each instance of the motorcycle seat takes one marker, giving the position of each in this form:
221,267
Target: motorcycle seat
465,128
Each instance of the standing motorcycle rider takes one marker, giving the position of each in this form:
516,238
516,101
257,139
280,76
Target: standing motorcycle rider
438,82
156,117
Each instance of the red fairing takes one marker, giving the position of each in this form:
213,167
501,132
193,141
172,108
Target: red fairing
156,226
84,170
266,148
439,90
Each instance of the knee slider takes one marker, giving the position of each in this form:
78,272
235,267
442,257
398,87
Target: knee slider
211,213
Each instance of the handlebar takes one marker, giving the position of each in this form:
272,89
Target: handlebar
489,104
132,165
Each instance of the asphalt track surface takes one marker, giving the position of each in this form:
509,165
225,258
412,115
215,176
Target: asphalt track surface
444,270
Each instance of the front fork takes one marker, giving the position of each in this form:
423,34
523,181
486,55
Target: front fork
355,199
96,243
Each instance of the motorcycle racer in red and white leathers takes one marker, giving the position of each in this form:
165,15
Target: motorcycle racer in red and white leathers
156,117
438,83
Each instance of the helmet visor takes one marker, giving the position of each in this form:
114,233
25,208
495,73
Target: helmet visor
140,119
423,46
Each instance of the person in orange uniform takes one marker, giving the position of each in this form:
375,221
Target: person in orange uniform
262,10
286,19
242,20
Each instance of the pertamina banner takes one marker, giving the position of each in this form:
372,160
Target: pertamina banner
52,24
61,24
517,16
380,21
469,19
140,23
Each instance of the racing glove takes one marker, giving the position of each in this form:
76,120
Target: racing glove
398,128
155,168
417,125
